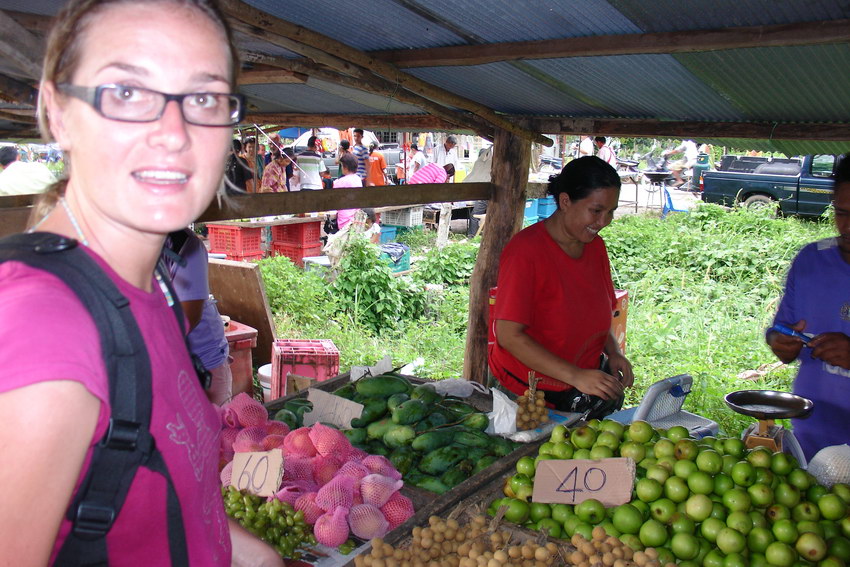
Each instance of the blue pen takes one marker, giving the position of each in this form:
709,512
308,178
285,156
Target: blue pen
805,337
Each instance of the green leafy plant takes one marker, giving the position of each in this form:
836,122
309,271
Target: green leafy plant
296,294
450,265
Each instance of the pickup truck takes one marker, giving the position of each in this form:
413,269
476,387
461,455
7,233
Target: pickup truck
800,186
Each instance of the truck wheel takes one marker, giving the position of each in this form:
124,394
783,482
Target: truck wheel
760,200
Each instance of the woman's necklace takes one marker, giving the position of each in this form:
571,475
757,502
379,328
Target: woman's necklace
80,236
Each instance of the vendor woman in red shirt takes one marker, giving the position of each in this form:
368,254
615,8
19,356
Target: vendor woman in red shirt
555,299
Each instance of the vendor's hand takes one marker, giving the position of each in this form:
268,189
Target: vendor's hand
250,551
621,368
597,383
785,347
832,348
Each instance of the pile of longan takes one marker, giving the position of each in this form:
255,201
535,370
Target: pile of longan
532,410
447,543
609,551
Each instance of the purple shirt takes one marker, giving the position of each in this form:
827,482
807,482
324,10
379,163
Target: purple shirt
344,216
57,340
818,290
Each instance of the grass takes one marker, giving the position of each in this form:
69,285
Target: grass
702,288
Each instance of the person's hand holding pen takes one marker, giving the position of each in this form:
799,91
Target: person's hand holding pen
833,348
787,342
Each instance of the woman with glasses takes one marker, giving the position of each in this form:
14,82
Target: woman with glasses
139,96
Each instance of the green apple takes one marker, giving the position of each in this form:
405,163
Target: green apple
562,450
545,448
525,465
782,464
559,434
560,512
700,482
804,526
743,473
777,512
728,462
585,529
684,546
664,448
609,528
766,476
519,480
608,439
549,525
612,426
686,449
786,494
641,431
570,525
832,506
709,461
677,433
740,522
805,510
657,472
663,510
731,541
759,521
800,478
760,457
627,519
815,492
713,559
722,484
698,507
583,437
653,533
760,494
601,452
780,554
737,500
830,529
710,528
811,547
839,547
581,454
758,539
785,531
633,450
684,468
591,511
842,490
648,489
676,489
734,447
682,524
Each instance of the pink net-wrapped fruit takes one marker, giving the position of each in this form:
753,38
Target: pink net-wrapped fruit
367,521
307,504
324,469
229,417
297,468
277,428
249,411
338,492
226,474
246,446
357,455
331,528
376,489
290,492
228,436
299,444
353,469
379,464
397,510
272,442
330,441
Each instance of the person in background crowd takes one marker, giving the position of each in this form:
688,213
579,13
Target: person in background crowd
361,153
815,302
251,149
605,153
372,228
348,164
189,272
688,149
274,142
238,172
274,176
432,173
585,146
344,148
311,167
20,178
555,298
290,169
375,174
415,161
445,154
139,167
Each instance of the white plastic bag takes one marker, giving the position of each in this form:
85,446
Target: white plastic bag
503,416
831,465
459,387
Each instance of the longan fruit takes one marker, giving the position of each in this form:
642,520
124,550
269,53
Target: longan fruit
651,553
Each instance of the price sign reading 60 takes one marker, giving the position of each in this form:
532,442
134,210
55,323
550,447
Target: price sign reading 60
259,472
573,481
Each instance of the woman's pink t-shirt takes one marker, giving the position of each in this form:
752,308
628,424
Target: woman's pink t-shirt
49,335
344,216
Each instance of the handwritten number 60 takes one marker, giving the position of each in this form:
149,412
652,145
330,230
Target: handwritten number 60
251,477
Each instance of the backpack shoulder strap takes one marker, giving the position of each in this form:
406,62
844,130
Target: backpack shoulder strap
128,443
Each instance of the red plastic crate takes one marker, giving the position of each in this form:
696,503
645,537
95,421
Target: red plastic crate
295,253
235,240
246,257
241,339
301,234
314,358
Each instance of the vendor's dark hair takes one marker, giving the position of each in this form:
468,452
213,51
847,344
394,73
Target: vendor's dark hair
842,170
370,214
583,176
348,162
344,144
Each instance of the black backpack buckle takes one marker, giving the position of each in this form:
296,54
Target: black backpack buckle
122,435
93,520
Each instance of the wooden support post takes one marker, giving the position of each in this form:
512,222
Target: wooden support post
509,175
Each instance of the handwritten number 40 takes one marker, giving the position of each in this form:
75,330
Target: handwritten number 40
253,477
593,481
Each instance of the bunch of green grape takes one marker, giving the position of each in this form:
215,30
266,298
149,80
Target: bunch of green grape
275,522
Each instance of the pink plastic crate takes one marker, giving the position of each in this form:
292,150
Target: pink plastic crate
304,234
235,240
314,358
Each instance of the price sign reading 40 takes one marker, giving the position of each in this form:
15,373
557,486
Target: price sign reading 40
573,481
258,473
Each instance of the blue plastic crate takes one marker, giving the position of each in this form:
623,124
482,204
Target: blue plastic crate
545,207
531,209
528,221
388,233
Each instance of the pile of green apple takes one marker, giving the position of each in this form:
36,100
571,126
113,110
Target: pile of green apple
707,502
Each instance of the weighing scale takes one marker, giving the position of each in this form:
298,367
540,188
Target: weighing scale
766,406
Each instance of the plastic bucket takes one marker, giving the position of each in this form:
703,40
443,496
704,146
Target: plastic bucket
265,375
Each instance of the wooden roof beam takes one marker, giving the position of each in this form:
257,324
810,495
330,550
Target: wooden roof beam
682,129
20,47
688,41
313,41
270,76
410,122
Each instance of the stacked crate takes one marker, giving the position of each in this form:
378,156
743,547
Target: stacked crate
236,242
297,241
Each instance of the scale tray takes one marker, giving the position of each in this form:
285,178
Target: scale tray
769,404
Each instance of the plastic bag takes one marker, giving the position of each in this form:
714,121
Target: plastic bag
503,416
459,388
831,465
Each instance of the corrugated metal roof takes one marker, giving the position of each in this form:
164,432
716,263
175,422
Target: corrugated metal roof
318,97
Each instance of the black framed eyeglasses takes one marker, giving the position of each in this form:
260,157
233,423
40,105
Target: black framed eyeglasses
136,104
